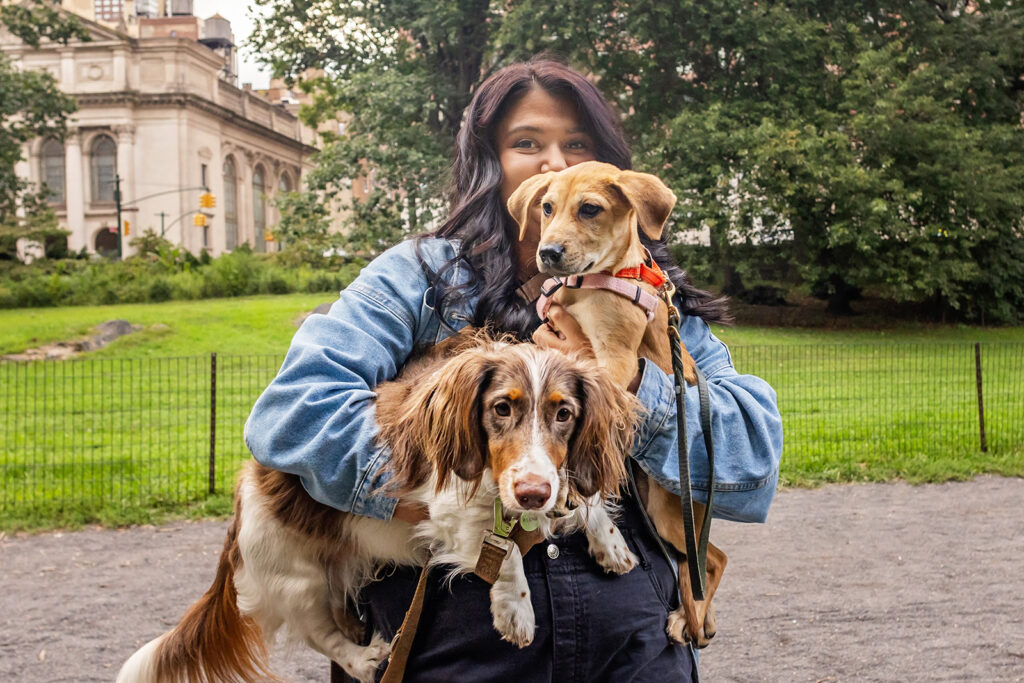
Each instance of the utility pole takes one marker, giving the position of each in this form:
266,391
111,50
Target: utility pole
117,200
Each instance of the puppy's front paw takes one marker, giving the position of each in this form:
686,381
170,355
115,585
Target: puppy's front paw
514,620
363,667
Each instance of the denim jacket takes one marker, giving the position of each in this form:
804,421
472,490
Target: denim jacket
317,417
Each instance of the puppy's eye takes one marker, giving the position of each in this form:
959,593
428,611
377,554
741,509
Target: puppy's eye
590,210
563,415
503,409
546,208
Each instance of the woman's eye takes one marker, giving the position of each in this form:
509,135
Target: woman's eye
563,414
524,144
590,210
547,208
577,146
503,409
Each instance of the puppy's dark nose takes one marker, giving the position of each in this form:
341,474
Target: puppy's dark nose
532,492
551,254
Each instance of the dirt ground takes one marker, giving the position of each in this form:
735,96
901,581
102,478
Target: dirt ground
880,582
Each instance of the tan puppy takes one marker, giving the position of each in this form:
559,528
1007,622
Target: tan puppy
589,218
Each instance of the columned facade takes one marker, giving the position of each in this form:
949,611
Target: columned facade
159,114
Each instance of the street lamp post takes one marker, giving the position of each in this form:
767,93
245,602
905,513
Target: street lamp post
117,200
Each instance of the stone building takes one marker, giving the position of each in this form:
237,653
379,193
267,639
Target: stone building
158,107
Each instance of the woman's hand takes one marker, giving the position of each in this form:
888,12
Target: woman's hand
562,332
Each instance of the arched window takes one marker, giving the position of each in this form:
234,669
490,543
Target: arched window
284,183
103,164
259,209
230,205
52,171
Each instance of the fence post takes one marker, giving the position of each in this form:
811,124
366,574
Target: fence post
981,402
213,422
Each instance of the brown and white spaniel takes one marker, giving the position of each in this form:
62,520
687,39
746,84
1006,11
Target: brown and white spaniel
476,419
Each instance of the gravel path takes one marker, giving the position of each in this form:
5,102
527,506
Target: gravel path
879,582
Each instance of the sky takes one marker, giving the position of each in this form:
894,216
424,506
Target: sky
238,13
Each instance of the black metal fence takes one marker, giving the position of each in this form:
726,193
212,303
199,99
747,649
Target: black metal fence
95,434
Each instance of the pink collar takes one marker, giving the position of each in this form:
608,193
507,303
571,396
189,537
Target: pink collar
619,285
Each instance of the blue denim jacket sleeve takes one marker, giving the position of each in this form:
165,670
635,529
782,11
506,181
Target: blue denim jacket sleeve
746,427
317,418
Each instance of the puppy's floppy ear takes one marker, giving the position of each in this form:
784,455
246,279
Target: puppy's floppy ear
603,437
650,198
526,196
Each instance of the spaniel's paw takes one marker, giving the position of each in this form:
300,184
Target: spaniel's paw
514,620
614,558
608,548
363,667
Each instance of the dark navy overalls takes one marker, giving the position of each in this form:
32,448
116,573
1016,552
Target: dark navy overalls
591,627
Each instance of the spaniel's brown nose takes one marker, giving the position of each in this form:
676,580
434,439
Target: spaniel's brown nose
532,492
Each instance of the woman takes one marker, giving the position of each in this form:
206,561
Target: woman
316,419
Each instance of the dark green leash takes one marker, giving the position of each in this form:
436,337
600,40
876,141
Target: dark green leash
696,550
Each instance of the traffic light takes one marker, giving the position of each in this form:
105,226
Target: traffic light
268,236
199,220
127,228
207,201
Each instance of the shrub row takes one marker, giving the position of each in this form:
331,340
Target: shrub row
240,273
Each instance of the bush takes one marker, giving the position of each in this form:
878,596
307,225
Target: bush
162,273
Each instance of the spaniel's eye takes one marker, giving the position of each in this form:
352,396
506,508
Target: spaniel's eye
546,206
590,210
563,415
503,409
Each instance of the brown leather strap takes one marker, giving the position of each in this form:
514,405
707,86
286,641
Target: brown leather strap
530,290
495,550
401,646
526,539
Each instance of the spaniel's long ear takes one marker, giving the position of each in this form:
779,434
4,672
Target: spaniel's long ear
526,196
604,434
453,435
433,422
650,198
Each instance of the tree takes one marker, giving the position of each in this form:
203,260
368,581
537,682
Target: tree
405,71
874,145
31,106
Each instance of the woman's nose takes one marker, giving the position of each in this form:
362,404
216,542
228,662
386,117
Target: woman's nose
553,160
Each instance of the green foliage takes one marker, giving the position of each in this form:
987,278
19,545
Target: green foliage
163,272
304,231
874,145
405,71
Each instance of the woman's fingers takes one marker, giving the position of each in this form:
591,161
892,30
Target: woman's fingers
562,332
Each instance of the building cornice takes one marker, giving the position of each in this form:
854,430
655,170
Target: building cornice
135,99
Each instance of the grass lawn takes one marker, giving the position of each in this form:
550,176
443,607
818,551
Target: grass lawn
124,434
258,324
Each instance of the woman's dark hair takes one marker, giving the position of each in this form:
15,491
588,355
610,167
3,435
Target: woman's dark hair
477,215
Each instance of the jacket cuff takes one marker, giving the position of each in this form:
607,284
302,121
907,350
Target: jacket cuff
369,499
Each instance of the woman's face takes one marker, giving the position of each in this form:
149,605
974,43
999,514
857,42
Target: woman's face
539,133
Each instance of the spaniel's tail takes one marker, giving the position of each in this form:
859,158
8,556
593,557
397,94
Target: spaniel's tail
213,642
